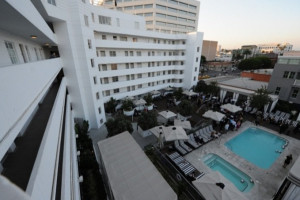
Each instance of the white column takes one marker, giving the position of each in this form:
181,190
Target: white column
273,105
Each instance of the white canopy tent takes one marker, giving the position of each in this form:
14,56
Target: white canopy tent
207,186
231,108
167,114
213,115
183,123
131,175
170,133
189,93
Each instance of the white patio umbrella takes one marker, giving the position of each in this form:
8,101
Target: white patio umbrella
213,115
183,123
189,93
139,102
172,133
231,108
167,114
156,130
155,92
208,188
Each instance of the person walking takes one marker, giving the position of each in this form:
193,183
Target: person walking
287,160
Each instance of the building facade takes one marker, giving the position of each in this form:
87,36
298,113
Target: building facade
102,54
166,16
209,49
285,79
278,48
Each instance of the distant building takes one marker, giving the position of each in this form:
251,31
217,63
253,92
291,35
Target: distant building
277,48
285,79
251,48
209,49
173,16
258,75
224,57
291,53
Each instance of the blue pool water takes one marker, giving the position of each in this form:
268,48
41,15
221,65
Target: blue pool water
257,146
242,181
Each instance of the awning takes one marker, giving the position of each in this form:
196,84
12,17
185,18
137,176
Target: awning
183,123
213,115
231,108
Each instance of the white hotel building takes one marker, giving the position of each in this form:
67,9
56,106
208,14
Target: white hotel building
166,16
103,53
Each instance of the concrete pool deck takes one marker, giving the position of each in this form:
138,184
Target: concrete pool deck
267,181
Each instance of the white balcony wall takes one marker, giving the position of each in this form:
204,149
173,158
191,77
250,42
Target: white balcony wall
42,182
23,86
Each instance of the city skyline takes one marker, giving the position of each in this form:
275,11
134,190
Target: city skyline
250,22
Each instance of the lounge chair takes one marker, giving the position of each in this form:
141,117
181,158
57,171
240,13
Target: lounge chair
277,113
295,123
203,136
174,155
184,165
253,111
287,116
266,115
179,160
188,170
192,142
184,146
179,148
206,134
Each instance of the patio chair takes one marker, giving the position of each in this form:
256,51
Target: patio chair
282,114
253,111
179,148
203,136
184,146
277,113
295,123
266,115
192,142
174,155
277,118
287,116
188,170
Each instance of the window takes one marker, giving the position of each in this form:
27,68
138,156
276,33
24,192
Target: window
92,62
131,65
115,37
103,37
101,121
298,76
128,77
12,52
197,59
99,110
123,38
148,5
131,53
133,88
148,14
93,17
105,80
107,93
52,2
23,53
89,43
127,65
102,53
95,80
132,76
138,53
112,53
97,95
86,20
28,52
295,93
194,78
277,90
115,79
140,85
134,39
104,67
139,65
149,53
126,53
114,67
128,89
196,69
139,76
104,20
198,49
116,90
292,75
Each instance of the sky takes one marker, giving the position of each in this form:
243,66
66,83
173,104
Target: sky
234,23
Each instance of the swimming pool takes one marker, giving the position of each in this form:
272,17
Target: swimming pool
242,181
257,146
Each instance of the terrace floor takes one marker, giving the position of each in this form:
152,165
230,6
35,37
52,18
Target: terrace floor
268,181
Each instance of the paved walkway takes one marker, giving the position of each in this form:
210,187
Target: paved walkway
19,164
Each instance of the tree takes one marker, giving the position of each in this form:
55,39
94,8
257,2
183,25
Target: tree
201,87
178,93
147,120
213,88
148,99
110,105
260,62
247,52
185,108
203,60
260,98
127,105
118,125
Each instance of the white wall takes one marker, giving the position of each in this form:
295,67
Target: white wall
23,86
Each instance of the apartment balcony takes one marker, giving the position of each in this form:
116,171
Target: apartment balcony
117,44
296,83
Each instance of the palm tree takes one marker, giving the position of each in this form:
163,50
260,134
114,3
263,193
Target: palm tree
247,52
260,98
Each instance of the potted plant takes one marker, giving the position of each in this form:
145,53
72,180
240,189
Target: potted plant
146,121
127,107
149,101
110,106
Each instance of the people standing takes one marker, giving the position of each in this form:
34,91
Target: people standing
287,160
